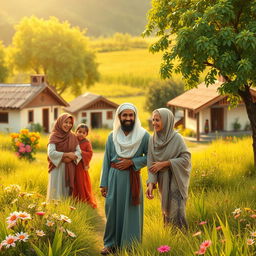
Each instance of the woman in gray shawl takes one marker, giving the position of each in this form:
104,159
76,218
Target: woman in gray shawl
169,165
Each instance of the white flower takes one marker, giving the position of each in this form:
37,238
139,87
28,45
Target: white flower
12,218
237,211
49,223
70,233
22,236
24,216
65,218
10,241
40,233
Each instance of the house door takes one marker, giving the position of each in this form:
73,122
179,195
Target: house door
46,119
217,119
96,120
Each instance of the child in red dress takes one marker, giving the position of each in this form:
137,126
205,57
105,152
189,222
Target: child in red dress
83,187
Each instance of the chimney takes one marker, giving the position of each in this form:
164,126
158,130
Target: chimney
37,79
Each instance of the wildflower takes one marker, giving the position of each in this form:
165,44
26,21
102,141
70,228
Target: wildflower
56,216
206,243
22,149
12,218
44,203
72,208
22,236
70,233
40,213
247,209
40,233
197,234
201,251
237,216
49,223
203,222
253,234
237,211
31,206
164,248
250,241
62,229
33,139
24,216
14,201
65,218
218,228
11,225
253,216
9,241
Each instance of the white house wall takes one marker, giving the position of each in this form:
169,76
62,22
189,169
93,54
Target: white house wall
238,112
190,123
13,124
105,121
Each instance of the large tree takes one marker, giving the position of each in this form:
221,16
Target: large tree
56,49
217,36
3,66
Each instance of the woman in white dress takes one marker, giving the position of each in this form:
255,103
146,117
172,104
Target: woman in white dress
63,154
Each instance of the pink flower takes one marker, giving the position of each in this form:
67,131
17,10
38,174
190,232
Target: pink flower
164,248
206,243
21,144
22,149
253,216
203,222
218,228
28,148
201,251
40,213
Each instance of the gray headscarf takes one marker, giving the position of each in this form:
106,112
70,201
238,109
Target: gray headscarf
168,145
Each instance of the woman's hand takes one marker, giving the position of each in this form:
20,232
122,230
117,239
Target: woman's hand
149,191
124,163
158,166
104,191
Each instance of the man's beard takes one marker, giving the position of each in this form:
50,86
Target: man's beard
127,127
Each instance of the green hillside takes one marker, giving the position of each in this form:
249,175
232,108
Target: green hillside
103,17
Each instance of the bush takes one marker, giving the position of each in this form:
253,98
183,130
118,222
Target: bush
25,144
236,125
159,93
36,127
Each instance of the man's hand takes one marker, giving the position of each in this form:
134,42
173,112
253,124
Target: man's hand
104,191
124,163
158,166
149,191
66,160
72,156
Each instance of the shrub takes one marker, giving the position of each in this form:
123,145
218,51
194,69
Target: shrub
236,125
25,144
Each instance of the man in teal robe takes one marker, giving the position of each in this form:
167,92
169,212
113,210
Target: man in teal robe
125,154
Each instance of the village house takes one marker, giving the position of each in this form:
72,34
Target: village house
94,110
205,110
24,104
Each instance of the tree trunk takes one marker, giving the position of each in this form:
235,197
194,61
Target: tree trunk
251,112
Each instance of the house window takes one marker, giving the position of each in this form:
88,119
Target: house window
191,114
55,113
109,115
4,117
84,114
31,116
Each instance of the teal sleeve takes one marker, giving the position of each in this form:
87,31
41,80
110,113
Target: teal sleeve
141,161
106,165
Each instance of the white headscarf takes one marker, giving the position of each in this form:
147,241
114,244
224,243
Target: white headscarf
127,146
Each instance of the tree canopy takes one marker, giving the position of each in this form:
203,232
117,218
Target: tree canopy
56,49
3,66
217,36
159,93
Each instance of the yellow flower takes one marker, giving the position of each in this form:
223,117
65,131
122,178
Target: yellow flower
17,143
33,138
24,131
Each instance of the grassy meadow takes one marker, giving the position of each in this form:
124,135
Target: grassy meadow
221,206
